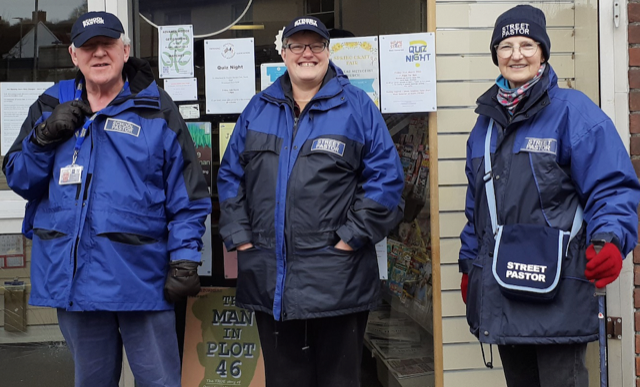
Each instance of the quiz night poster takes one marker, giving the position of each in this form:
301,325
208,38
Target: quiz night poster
221,343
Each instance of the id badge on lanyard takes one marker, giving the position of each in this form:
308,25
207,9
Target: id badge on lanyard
72,173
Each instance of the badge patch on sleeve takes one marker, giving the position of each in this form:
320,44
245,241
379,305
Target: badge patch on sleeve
121,126
540,145
328,145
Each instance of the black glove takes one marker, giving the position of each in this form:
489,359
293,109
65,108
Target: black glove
182,280
61,124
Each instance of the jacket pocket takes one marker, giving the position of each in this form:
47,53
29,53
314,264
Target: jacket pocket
47,235
129,228
129,239
257,275
330,279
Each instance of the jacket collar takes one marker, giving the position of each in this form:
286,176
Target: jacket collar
138,73
536,98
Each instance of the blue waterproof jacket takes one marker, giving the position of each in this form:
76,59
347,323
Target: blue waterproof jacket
558,151
295,187
106,244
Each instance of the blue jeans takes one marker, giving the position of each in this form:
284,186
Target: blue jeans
96,339
554,365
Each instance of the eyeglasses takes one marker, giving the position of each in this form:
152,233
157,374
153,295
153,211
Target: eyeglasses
298,48
527,49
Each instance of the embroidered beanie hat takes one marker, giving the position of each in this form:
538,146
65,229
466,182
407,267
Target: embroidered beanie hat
521,20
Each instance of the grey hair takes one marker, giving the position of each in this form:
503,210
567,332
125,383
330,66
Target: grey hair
125,39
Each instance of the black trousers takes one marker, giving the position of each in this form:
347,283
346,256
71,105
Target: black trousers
556,365
321,352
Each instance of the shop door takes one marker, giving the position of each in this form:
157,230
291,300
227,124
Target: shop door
399,342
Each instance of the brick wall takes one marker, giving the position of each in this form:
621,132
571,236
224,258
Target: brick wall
634,128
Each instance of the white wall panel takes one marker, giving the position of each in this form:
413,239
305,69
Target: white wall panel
465,41
476,15
460,120
451,172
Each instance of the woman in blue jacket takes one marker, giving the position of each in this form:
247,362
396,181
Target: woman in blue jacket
558,181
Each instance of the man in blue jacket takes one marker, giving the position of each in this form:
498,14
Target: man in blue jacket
116,209
310,181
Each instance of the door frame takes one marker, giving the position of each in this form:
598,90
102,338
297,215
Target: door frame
614,100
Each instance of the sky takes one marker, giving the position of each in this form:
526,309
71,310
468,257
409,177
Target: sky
55,9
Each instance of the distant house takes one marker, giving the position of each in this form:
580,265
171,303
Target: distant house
24,47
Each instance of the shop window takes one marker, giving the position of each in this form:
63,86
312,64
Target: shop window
246,20
177,18
323,10
33,48
400,331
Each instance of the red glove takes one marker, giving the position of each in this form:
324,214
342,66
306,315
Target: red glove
463,286
603,267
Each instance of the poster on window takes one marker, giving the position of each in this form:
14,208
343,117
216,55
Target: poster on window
269,72
15,100
175,51
226,129
201,135
230,257
221,343
358,59
230,77
408,73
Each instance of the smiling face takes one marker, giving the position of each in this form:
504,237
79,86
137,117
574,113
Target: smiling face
101,60
307,68
517,69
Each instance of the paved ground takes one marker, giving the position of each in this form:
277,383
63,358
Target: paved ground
36,365
50,365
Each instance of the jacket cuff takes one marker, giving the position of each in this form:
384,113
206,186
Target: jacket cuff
464,265
237,239
33,145
186,254
608,237
349,238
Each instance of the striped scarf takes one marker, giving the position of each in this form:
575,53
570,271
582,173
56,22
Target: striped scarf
510,98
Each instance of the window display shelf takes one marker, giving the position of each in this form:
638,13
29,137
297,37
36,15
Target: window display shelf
419,313
388,379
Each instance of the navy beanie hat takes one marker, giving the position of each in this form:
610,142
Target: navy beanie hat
521,20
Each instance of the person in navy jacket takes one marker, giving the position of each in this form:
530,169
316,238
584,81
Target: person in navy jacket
116,209
309,183
554,154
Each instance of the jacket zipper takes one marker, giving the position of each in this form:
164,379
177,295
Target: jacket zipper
296,120
84,198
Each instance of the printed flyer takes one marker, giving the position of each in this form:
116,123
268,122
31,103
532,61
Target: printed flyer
408,73
358,59
230,76
15,100
221,343
230,258
201,135
175,51
269,72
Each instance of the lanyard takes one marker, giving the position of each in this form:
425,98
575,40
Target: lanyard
81,134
